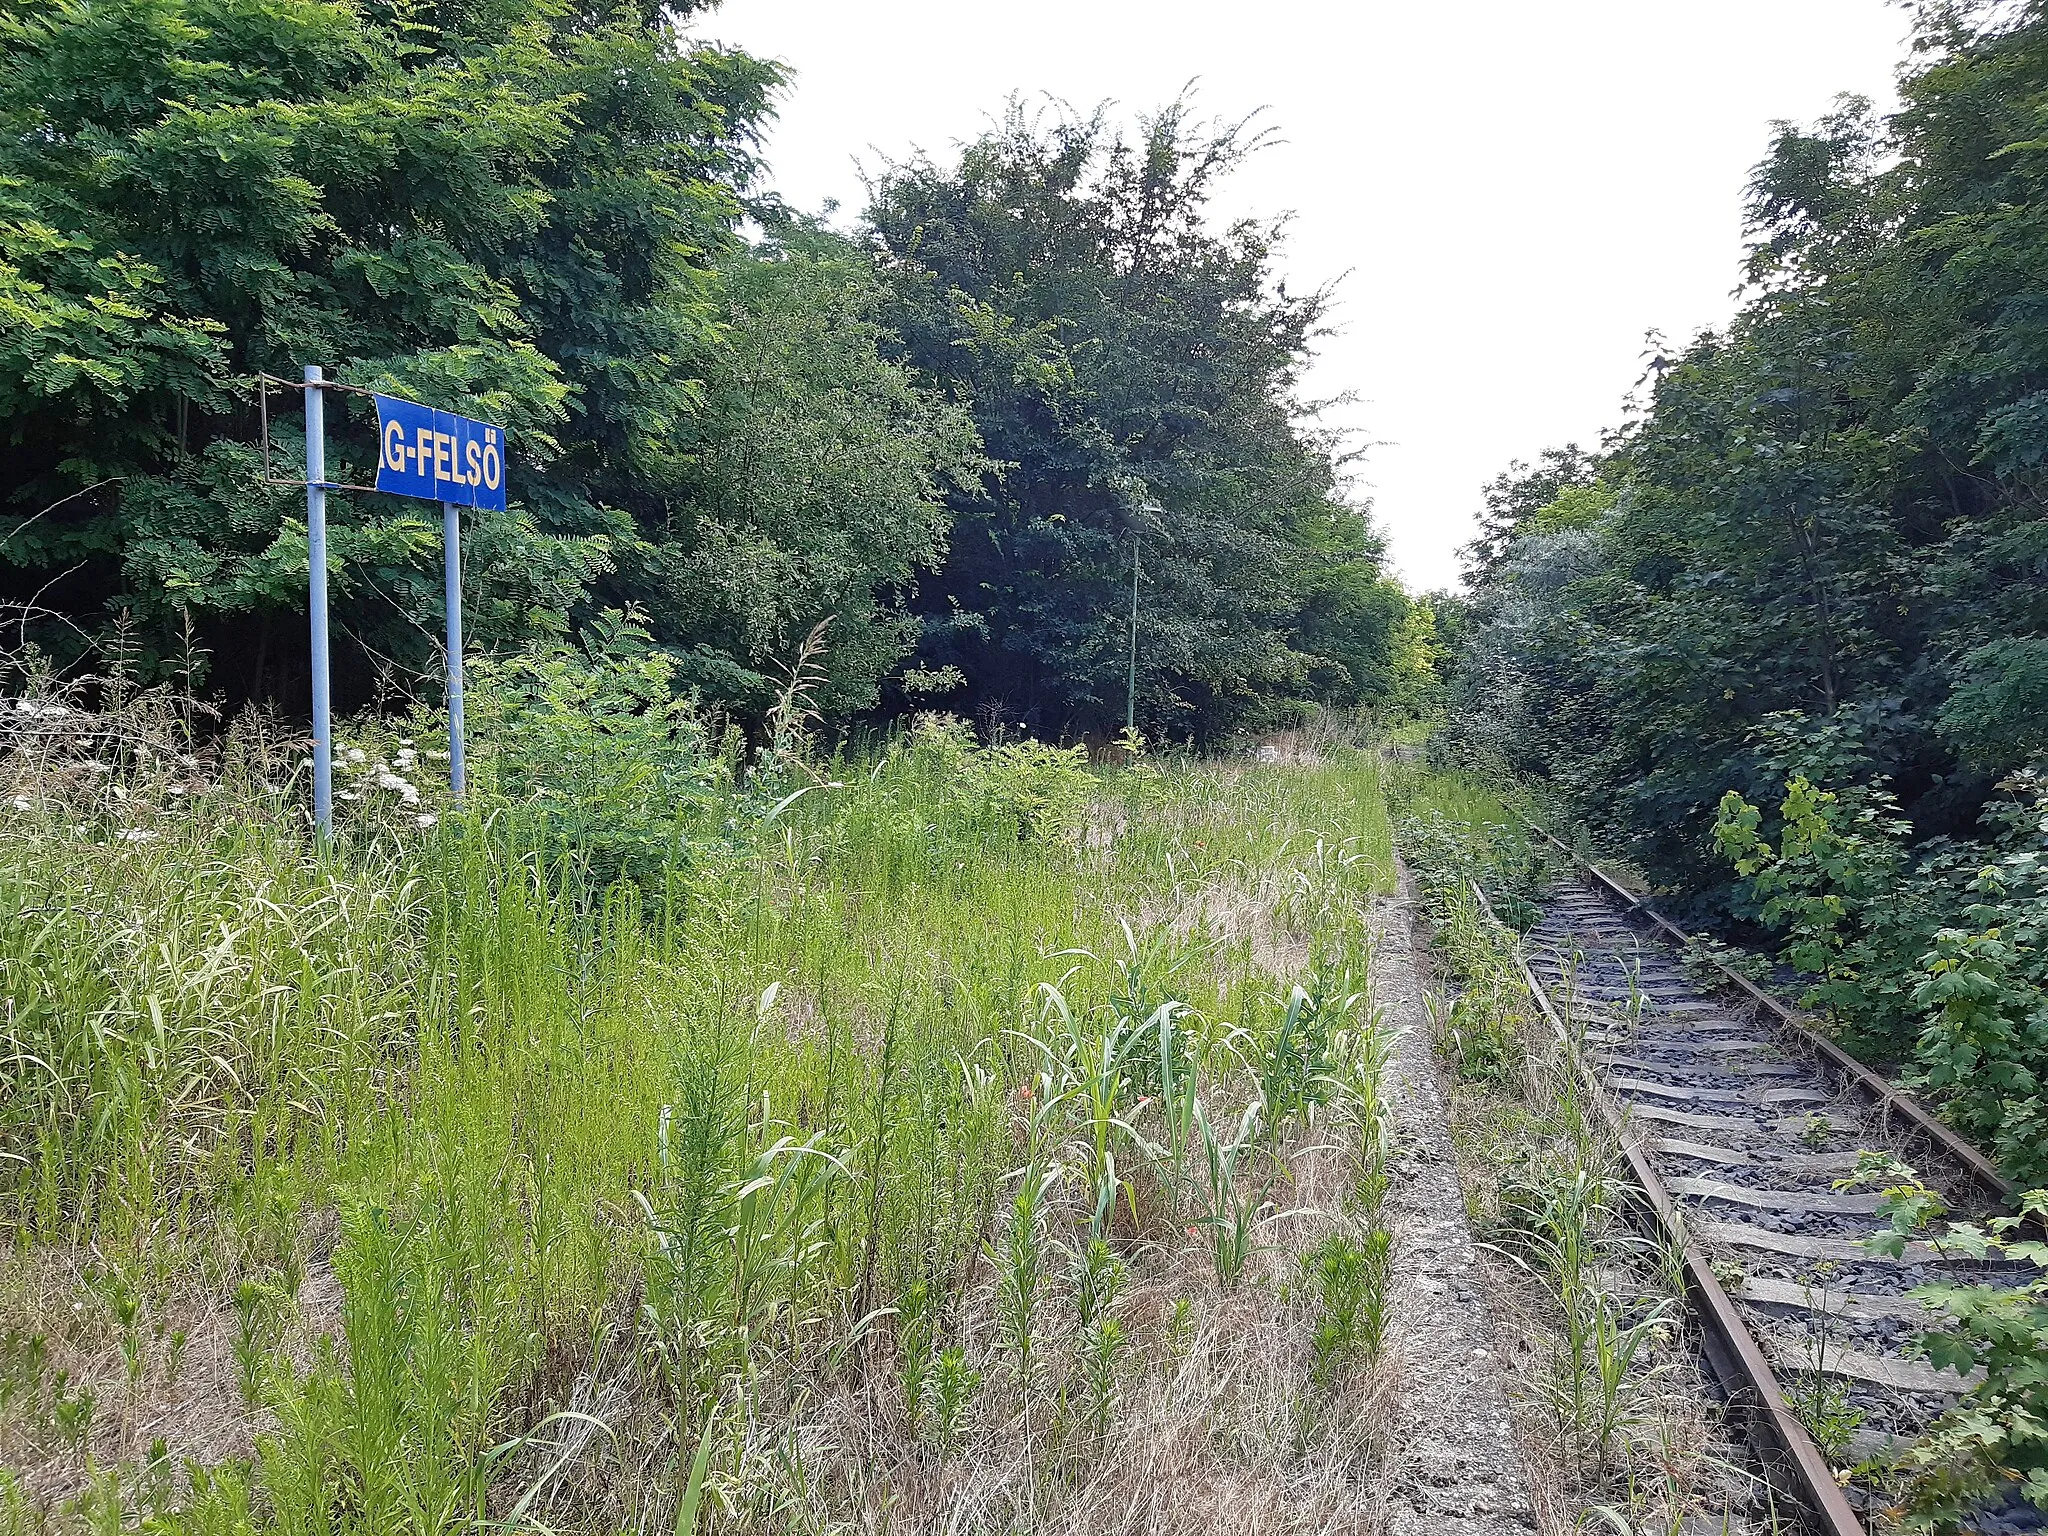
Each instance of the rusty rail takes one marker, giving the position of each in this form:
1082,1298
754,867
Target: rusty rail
1787,1451
1892,1102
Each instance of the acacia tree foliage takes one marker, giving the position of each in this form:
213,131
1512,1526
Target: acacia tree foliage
812,482
527,210
500,207
1133,371
519,209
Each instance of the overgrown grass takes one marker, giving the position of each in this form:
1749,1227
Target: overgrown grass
915,1143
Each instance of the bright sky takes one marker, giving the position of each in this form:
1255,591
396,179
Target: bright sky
1514,192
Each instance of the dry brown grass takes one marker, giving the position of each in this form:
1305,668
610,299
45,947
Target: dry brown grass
186,1401
1218,1427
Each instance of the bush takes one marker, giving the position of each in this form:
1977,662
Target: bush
1020,791
596,743
1996,1437
1939,960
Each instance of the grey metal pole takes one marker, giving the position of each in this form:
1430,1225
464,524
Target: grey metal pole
451,554
1131,690
316,597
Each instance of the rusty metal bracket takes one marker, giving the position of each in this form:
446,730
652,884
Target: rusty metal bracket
263,383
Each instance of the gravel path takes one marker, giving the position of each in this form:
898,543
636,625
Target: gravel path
1455,1470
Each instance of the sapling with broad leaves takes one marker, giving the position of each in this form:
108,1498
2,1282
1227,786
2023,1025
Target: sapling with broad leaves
1993,1439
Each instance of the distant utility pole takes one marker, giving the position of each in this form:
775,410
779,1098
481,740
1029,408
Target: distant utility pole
1131,691
1131,686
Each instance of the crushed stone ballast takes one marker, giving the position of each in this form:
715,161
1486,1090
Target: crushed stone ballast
1738,1121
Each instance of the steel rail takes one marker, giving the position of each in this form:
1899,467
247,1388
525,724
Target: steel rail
1891,1101
1737,1360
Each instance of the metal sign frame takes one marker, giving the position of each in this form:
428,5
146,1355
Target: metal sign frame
315,386
263,383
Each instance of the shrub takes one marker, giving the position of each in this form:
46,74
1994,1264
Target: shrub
1938,958
1997,1435
1023,791
596,743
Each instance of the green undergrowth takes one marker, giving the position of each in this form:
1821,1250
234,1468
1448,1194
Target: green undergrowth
1456,830
1544,1183
464,1185
1927,957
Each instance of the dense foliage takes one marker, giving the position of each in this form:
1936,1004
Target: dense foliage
530,211
1813,570
508,209
1133,370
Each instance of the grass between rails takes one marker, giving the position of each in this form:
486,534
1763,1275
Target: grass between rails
1608,1405
945,1152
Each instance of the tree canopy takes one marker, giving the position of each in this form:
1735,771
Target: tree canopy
942,431
508,208
1134,371
1825,526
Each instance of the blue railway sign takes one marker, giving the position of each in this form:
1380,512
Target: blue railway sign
439,456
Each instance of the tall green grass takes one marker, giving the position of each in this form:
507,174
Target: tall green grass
599,1174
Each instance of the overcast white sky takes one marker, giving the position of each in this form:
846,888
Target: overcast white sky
1517,189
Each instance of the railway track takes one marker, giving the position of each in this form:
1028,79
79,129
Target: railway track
1737,1121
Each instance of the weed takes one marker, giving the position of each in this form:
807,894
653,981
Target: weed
1098,1277
1102,1346
1820,1400
1351,1281
650,1157
951,1388
1361,1084
1021,1268
1234,1201
1376,1293
259,1320
1091,1064
71,1412
1637,1000
22,1360
1180,1071
1823,1404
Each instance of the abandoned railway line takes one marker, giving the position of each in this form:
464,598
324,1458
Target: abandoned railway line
1738,1124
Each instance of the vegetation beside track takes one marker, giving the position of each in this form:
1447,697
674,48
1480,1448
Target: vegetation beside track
1607,1394
1784,638
953,1132
1531,1156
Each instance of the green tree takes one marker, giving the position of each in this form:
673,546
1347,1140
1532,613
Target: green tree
1811,575
813,482
1133,370
1831,509
507,207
